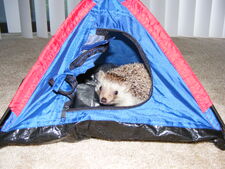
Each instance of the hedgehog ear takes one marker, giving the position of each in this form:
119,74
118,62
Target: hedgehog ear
100,75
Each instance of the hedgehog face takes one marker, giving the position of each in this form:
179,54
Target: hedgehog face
109,92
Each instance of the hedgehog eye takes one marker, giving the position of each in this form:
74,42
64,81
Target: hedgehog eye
100,88
116,92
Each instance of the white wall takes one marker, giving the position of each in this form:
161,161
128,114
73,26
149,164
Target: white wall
191,18
41,18
172,16
25,18
12,15
217,18
56,13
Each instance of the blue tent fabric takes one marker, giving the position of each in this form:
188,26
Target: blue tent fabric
171,104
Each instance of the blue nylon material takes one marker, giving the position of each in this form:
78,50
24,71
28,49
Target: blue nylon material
116,53
87,47
171,103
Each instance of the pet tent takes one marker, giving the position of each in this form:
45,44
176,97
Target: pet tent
100,32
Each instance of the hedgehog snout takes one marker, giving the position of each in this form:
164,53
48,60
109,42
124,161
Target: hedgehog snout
103,100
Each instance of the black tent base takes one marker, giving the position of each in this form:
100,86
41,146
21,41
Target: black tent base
109,130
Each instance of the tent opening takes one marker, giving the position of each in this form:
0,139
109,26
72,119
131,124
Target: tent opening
104,50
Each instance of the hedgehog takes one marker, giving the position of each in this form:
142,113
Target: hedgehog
126,85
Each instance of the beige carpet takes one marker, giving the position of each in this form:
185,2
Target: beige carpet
206,57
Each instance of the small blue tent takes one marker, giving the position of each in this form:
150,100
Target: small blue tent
99,32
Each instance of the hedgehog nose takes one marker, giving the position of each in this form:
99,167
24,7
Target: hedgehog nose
103,100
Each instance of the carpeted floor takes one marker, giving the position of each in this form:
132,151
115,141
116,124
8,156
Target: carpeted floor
206,57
